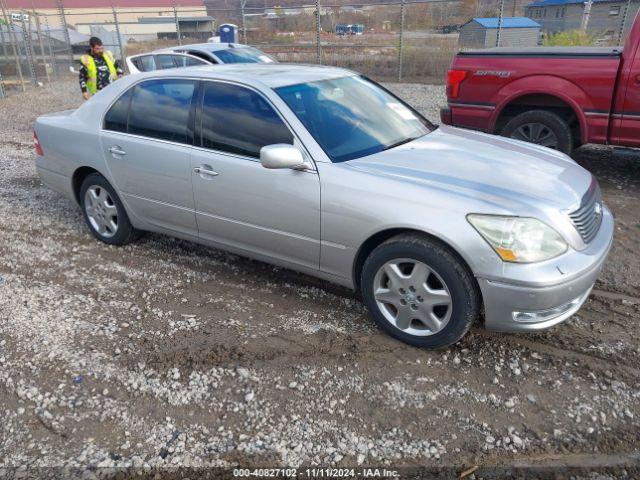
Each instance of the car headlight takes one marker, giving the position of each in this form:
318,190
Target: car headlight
519,239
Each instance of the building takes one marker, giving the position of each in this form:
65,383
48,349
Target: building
514,32
153,28
606,16
100,11
53,39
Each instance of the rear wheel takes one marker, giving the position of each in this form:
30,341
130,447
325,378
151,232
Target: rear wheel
541,127
419,292
104,213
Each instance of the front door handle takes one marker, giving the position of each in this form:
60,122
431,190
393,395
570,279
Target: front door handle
116,150
637,79
205,170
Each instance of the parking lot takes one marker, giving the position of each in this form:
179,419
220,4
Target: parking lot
166,353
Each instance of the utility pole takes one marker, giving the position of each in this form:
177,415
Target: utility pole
115,19
585,15
175,18
499,23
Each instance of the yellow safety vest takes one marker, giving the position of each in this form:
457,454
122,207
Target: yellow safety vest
92,71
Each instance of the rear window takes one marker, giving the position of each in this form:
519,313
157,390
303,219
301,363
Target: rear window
243,55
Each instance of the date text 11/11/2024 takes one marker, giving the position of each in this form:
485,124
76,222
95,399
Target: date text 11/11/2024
316,472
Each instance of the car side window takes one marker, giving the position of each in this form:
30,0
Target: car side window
165,61
116,117
160,109
239,120
146,63
185,61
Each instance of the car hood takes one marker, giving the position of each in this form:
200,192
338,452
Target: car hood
484,166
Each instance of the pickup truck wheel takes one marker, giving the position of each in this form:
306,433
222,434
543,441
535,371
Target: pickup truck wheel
104,213
419,292
542,128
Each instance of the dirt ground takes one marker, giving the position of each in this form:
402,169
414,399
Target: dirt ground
165,353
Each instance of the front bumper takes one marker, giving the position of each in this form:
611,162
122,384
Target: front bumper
516,307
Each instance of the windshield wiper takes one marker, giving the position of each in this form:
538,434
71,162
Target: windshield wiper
401,142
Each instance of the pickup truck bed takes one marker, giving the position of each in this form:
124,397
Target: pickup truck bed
559,97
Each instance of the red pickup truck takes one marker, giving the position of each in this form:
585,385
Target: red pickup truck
559,97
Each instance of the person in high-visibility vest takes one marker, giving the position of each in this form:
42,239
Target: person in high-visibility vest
99,68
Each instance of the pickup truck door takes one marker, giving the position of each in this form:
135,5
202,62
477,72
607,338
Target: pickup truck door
626,117
239,204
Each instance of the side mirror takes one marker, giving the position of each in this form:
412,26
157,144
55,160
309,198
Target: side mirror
281,155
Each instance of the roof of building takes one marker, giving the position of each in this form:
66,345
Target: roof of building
40,4
171,19
507,22
75,37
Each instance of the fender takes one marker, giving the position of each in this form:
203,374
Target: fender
550,85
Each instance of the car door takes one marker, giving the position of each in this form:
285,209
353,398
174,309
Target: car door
628,118
146,141
239,203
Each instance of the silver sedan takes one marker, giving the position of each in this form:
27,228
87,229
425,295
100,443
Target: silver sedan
323,171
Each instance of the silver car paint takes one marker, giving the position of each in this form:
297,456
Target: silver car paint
317,220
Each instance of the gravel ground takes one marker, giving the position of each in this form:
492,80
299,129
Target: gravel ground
165,353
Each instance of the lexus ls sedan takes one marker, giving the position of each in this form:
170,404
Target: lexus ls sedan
323,171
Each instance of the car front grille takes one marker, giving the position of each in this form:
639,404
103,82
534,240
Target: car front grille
588,217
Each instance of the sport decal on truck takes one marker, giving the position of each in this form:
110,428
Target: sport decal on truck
492,73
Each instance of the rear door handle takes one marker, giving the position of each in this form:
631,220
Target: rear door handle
205,170
116,150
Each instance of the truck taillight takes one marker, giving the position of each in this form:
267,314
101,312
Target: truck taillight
36,143
454,79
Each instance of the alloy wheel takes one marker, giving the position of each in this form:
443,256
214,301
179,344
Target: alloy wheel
101,211
537,133
412,297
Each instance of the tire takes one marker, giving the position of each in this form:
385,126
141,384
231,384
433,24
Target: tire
552,131
445,274
106,211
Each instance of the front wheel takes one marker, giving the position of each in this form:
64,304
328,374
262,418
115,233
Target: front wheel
541,127
420,292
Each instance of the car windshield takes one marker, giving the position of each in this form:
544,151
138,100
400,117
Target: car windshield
242,55
352,117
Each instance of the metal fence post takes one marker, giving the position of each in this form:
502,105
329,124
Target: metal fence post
585,14
243,3
3,91
499,23
26,38
14,43
401,41
175,18
65,31
115,19
318,46
624,22
41,43
54,67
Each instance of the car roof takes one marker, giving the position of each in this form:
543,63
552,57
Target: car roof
203,47
272,75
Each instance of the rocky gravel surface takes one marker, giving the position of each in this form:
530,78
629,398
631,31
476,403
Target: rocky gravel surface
165,353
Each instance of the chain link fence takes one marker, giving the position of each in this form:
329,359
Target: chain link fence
399,40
